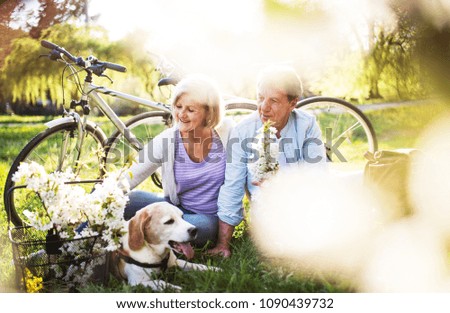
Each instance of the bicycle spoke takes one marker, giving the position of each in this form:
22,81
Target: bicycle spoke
347,133
48,149
119,152
351,128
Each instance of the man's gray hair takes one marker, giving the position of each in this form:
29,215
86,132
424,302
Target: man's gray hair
282,77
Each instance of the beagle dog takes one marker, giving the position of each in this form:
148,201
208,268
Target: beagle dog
153,233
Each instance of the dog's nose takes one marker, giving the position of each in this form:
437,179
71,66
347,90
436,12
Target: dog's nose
192,232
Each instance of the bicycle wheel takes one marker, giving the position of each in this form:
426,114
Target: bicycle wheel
119,152
46,149
238,108
346,132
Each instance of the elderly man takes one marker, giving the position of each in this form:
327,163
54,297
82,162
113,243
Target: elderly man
278,91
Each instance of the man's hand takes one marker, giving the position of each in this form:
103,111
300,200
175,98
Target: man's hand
223,241
220,250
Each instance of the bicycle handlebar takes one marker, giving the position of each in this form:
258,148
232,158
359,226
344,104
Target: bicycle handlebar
115,67
91,63
49,45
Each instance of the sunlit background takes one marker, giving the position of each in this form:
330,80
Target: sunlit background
364,51
358,50
233,40
329,42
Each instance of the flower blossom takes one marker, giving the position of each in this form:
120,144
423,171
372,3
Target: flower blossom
75,213
267,151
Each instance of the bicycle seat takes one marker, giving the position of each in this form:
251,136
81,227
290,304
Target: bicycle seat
168,81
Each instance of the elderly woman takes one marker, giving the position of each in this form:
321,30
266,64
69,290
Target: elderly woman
192,157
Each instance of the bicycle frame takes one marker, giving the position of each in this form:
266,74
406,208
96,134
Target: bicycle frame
91,91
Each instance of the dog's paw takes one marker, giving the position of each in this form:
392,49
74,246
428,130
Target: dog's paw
161,285
187,266
208,268
173,288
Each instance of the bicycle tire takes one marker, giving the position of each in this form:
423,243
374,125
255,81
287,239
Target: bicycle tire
118,152
355,133
241,105
13,197
239,108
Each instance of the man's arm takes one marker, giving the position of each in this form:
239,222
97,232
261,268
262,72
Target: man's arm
225,234
230,211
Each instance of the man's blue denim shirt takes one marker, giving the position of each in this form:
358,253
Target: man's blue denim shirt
300,142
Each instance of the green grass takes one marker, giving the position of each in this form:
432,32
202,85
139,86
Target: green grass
247,270
401,127
14,138
18,119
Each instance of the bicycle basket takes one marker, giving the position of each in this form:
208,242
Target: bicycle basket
389,171
42,266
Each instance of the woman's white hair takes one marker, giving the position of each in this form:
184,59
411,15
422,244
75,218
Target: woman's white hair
204,92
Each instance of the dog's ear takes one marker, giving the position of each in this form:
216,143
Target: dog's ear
136,229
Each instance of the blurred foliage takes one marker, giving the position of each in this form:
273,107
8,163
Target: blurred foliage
290,9
20,19
26,78
386,69
36,18
432,28
409,60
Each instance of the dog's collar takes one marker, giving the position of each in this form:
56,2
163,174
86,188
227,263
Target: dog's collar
130,260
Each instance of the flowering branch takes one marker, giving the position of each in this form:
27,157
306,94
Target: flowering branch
74,213
267,148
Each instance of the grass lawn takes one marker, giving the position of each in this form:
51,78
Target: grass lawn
247,270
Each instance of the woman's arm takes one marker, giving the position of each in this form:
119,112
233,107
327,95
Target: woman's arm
149,159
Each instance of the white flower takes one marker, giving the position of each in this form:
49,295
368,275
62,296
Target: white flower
75,213
267,151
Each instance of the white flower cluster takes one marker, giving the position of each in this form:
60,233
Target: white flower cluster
267,149
74,213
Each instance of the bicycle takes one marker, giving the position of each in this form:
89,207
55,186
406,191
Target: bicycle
341,123
76,142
